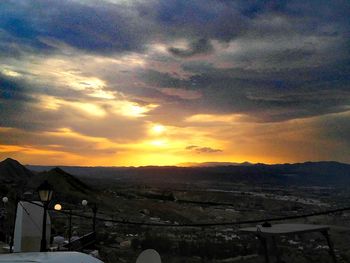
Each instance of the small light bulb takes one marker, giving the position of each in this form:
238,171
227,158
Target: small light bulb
58,207
84,202
5,199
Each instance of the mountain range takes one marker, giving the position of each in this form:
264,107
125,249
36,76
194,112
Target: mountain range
314,173
68,178
213,164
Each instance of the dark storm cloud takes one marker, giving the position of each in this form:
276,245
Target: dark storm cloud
228,20
105,28
13,90
199,149
201,46
270,95
201,19
20,105
336,128
286,79
161,79
15,100
279,58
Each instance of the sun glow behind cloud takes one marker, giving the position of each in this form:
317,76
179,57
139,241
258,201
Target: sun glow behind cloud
132,109
157,129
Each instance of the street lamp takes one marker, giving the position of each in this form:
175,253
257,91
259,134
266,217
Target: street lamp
5,200
94,211
4,225
45,191
17,199
84,203
58,207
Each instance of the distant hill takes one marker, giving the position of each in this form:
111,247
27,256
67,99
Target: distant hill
12,172
16,179
64,184
213,164
13,179
316,172
308,173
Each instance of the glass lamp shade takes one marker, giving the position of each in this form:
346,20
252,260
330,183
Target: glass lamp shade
5,199
45,191
58,207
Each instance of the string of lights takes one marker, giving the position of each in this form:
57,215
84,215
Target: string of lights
242,222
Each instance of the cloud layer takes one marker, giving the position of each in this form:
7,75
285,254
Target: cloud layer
234,80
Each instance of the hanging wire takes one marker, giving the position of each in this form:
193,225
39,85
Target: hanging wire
282,218
30,218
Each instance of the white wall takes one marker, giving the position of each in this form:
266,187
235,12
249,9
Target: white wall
28,227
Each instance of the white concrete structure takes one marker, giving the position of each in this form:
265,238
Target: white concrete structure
49,257
28,227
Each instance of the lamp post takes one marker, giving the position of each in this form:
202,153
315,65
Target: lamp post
4,225
45,191
17,199
84,203
58,207
94,211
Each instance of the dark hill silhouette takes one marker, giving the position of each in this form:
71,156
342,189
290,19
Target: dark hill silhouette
57,175
65,185
15,179
317,172
12,172
213,164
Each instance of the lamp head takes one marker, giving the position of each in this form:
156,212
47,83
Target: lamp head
58,207
45,191
5,199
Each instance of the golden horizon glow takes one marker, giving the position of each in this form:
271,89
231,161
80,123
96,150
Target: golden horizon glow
203,118
159,143
138,158
65,146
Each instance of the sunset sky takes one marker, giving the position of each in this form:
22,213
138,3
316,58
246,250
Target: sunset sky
158,82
